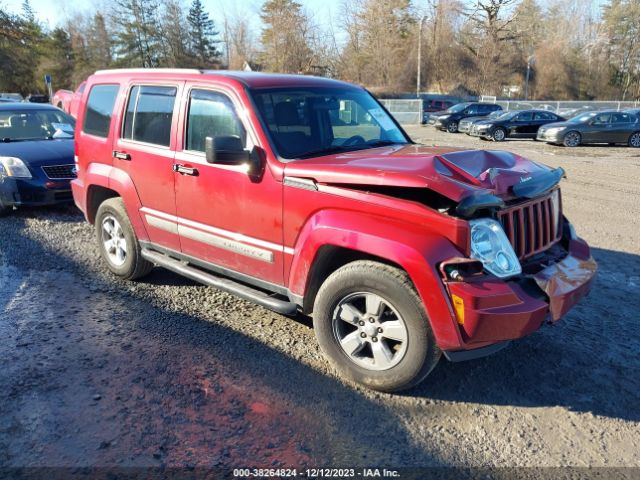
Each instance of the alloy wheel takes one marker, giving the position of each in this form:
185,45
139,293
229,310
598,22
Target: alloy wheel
114,241
370,331
452,127
634,140
499,135
572,139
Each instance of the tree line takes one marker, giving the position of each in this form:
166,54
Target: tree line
559,49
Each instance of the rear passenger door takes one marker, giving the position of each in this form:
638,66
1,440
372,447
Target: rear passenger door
145,149
621,126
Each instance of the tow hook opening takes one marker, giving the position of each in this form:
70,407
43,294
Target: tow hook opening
460,269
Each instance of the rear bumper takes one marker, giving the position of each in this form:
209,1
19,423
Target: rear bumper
79,195
34,192
495,311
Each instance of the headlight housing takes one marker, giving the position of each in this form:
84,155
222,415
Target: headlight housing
483,127
490,245
553,130
13,167
443,117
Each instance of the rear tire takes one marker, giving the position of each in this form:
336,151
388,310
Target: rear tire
634,140
373,328
118,243
572,139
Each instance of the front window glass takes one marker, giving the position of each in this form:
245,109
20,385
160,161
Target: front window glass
16,125
602,119
305,122
211,114
583,117
524,117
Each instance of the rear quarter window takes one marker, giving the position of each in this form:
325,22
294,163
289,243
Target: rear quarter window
97,117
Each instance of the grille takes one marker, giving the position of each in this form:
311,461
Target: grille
534,226
60,171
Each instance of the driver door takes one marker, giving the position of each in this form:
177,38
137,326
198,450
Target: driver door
225,216
599,129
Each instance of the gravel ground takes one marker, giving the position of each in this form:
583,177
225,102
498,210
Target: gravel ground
164,372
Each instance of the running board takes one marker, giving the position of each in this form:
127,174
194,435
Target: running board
243,291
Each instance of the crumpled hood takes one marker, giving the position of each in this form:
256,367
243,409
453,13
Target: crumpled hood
36,153
455,174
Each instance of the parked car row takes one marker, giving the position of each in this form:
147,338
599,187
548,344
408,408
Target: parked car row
16,97
490,122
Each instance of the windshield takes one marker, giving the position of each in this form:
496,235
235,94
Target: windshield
508,115
583,117
457,108
313,121
17,125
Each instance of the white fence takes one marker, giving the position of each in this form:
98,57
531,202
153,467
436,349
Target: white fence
404,111
409,111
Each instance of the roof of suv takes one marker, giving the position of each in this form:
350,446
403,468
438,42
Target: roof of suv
250,79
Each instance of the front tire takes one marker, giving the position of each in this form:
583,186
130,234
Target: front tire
499,135
372,326
572,139
452,127
118,243
634,140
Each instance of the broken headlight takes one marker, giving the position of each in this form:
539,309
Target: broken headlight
490,245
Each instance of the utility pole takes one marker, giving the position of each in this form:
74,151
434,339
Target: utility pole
530,60
420,25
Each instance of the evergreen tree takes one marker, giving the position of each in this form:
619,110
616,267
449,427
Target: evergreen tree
59,59
138,39
285,37
202,36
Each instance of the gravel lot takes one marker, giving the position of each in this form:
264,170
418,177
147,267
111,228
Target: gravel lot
165,372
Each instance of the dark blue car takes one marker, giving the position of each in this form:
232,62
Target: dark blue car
36,155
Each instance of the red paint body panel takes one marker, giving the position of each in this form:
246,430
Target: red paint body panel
278,229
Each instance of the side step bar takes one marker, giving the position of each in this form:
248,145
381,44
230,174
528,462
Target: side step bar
243,291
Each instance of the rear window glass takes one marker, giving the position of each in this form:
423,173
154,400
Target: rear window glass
97,117
149,114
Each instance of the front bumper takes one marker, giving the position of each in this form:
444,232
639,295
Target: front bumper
544,136
492,310
17,192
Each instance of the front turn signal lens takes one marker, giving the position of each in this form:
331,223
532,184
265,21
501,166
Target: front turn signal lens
458,307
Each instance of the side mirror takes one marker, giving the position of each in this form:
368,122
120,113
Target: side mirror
229,150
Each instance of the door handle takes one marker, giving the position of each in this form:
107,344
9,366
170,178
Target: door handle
182,170
121,155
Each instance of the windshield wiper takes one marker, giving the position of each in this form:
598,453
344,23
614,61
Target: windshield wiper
326,151
349,148
381,143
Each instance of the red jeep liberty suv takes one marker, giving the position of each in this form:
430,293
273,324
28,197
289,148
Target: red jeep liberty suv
303,194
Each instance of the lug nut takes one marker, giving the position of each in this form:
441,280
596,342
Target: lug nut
379,329
361,323
371,320
374,339
363,335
